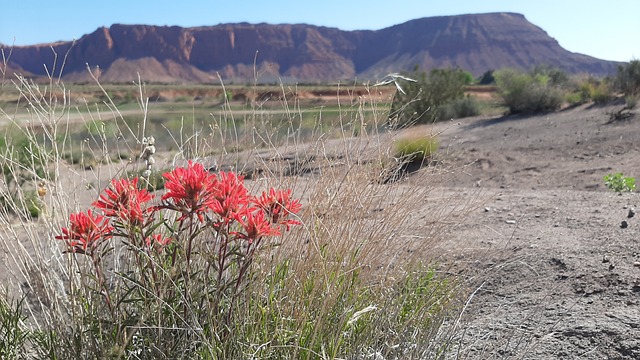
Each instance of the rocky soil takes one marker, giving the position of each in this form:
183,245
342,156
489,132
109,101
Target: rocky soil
556,273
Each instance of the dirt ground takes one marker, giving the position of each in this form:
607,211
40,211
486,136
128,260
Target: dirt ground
556,274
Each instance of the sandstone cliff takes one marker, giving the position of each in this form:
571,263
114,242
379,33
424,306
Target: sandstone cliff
243,52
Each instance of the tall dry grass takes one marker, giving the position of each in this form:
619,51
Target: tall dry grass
357,279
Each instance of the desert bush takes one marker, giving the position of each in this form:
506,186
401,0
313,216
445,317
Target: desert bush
550,75
415,148
596,90
619,183
459,108
420,100
628,78
528,93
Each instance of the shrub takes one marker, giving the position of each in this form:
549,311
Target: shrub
419,100
529,93
460,108
620,183
628,78
487,78
415,149
596,90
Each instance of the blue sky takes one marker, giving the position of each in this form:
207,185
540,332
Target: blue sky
605,29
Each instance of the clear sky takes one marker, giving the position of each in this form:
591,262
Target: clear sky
605,29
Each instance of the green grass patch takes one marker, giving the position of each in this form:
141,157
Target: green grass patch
416,148
619,183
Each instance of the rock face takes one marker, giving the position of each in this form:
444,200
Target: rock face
247,52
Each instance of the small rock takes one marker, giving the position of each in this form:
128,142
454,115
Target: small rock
624,224
605,259
487,209
632,213
510,222
636,264
611,267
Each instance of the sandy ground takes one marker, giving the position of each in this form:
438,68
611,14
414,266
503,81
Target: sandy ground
557,276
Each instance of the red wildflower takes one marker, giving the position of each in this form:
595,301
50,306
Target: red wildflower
86,232
123,200
255,225
278,206
230,194
191,190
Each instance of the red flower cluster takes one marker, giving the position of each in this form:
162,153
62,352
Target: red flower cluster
124,201
191,190
231,196
278,206
255,226
86,232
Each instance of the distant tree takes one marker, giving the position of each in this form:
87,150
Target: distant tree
487,78
420,100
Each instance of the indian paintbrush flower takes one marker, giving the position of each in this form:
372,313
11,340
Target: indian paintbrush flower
278,206
190,190
125,202
86,232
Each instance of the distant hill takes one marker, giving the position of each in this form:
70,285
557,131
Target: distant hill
303,53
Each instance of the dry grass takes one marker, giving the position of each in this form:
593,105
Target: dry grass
356,280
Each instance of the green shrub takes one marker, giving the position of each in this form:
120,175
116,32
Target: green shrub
529,93
596,90
620,183
458,108
628,78
419,100
415,149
